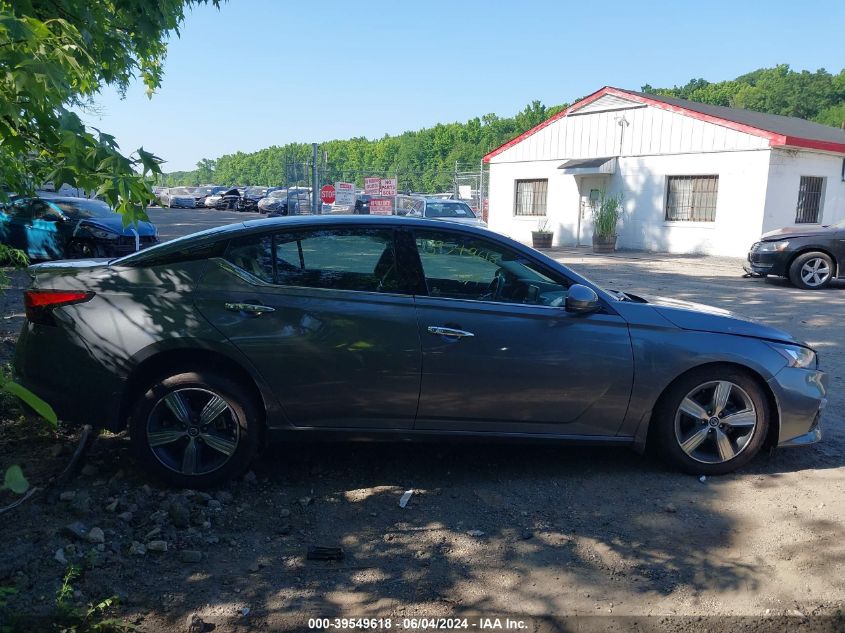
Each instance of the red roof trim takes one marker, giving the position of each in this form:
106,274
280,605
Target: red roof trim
808,143
775,140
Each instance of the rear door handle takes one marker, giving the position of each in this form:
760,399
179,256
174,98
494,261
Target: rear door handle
449,332
249,308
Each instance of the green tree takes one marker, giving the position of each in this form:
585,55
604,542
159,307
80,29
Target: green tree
56,55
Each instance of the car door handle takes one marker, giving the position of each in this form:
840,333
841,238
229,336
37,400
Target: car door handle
249,308
448,331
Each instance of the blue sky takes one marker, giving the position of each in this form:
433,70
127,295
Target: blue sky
267,72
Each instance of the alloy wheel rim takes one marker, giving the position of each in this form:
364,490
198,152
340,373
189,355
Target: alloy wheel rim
192,431
815,271
715,422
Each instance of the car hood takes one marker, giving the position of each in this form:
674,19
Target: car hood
704,318
115,225
794,231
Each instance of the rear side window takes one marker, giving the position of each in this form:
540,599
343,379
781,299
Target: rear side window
339,259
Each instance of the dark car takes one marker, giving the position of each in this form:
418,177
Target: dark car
362,204
201,194
810,256
381,326
64,227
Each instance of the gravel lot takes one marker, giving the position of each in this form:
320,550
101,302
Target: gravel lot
491,529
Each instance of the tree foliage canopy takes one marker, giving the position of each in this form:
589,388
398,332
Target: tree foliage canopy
818,96
55,55
425,159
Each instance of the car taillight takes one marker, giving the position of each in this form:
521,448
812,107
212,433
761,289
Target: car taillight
39,304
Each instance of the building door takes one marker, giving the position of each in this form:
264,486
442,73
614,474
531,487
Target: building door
589,191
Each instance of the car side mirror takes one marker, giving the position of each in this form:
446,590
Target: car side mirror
582,300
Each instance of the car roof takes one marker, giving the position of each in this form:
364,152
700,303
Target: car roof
251,227
345,220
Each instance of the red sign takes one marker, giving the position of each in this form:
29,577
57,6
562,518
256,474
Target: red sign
327,194
381,206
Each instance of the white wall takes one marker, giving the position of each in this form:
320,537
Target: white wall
649,131
561,203
740,202
785,171
642,181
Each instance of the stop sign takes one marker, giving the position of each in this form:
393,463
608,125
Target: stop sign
327,194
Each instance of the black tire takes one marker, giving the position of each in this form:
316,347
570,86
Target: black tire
240,423
801,275
670,424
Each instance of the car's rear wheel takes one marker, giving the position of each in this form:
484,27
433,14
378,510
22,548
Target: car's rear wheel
712,421
811,271
195,429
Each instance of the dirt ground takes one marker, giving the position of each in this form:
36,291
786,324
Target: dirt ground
490,529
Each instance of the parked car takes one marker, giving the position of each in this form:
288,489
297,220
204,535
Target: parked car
286,202
56,227
212,199
202,194
810,256
225,200
258,193
362,204
274,201
208,344
178,197
451,210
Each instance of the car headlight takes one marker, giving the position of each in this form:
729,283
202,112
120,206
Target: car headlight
773,247
797,356
103,235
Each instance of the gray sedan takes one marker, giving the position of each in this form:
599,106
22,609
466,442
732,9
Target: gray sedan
366,326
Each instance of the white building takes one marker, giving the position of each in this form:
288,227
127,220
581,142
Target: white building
695,178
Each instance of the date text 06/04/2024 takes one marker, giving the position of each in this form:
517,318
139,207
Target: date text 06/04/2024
417,624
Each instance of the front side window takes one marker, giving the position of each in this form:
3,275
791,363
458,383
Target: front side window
810,191
530,197
691,198
339,259
463,267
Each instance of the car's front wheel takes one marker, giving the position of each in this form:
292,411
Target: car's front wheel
712,421
195,429
811,271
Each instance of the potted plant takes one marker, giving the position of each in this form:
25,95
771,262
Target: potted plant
542,237
605,218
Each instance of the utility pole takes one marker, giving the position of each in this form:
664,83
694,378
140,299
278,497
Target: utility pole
315,185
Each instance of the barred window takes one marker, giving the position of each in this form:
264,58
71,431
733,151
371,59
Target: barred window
809,200
691,198
531,197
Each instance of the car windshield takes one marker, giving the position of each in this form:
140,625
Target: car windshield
279,193
83,208
448,210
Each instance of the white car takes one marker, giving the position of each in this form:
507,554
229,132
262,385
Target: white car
449,210
178,197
